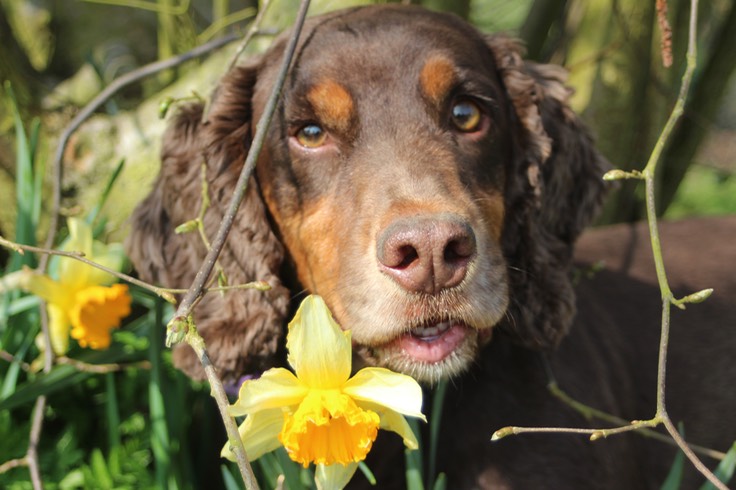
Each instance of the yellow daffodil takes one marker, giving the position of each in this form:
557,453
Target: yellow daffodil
319,413
80,303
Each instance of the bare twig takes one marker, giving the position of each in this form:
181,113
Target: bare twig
162,292
252,30
7,356
159,7
182,320
590,413
13,463
33,439
101,368
223,22
668,299
89,109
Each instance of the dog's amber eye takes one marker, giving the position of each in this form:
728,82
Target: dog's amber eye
311,136
466,116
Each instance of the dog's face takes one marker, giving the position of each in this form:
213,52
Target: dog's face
419,176
385,175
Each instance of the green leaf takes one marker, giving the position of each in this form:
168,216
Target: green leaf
62,376
99,470
25,182
92,216
440,483
674,477
438,401
725,469
290,470
231,483
367,472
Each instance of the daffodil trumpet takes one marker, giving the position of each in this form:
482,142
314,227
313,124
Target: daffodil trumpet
319,413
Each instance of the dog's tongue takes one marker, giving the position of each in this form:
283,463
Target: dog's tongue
434,343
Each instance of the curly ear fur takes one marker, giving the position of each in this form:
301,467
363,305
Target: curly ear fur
241,328
553,190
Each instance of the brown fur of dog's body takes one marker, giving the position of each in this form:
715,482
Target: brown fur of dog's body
492,210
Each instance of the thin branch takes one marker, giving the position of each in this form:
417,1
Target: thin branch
162,292
7,356
252,30
33,440
590,413
158,7
182,320
13,463
648,174
223,22
101,368
594,434
89,109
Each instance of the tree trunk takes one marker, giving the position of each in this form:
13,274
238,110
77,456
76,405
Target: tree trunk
619,93
459,7
536,28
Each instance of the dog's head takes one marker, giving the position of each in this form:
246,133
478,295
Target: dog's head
419,176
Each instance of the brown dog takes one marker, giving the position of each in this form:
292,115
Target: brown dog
429,184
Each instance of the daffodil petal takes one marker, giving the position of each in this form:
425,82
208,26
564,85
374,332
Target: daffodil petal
275,388
46,288
259,433
390,390
59,326
72,272
111,256
319,351
397,423
393,421
334,476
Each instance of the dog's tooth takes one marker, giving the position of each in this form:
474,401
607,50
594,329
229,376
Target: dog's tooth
431,331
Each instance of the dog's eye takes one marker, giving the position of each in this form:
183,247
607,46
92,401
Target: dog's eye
311,136
466,116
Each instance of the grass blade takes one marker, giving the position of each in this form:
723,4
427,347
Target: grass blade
159,428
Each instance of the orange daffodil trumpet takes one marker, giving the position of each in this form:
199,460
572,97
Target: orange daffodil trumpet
319,413
81,303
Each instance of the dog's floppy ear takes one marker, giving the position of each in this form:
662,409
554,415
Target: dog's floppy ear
242,327
554,189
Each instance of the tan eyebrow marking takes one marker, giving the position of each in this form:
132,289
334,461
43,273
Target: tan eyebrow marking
332,104
437,78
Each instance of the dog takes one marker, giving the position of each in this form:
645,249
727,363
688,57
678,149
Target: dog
430,185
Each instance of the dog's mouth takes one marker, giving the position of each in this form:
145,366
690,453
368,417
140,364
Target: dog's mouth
430,351
432,342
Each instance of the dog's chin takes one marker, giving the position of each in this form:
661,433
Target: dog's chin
430,353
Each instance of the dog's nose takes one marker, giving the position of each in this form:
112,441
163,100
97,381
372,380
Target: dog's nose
426,253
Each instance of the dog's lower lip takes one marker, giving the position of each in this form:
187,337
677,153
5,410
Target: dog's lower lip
432,343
